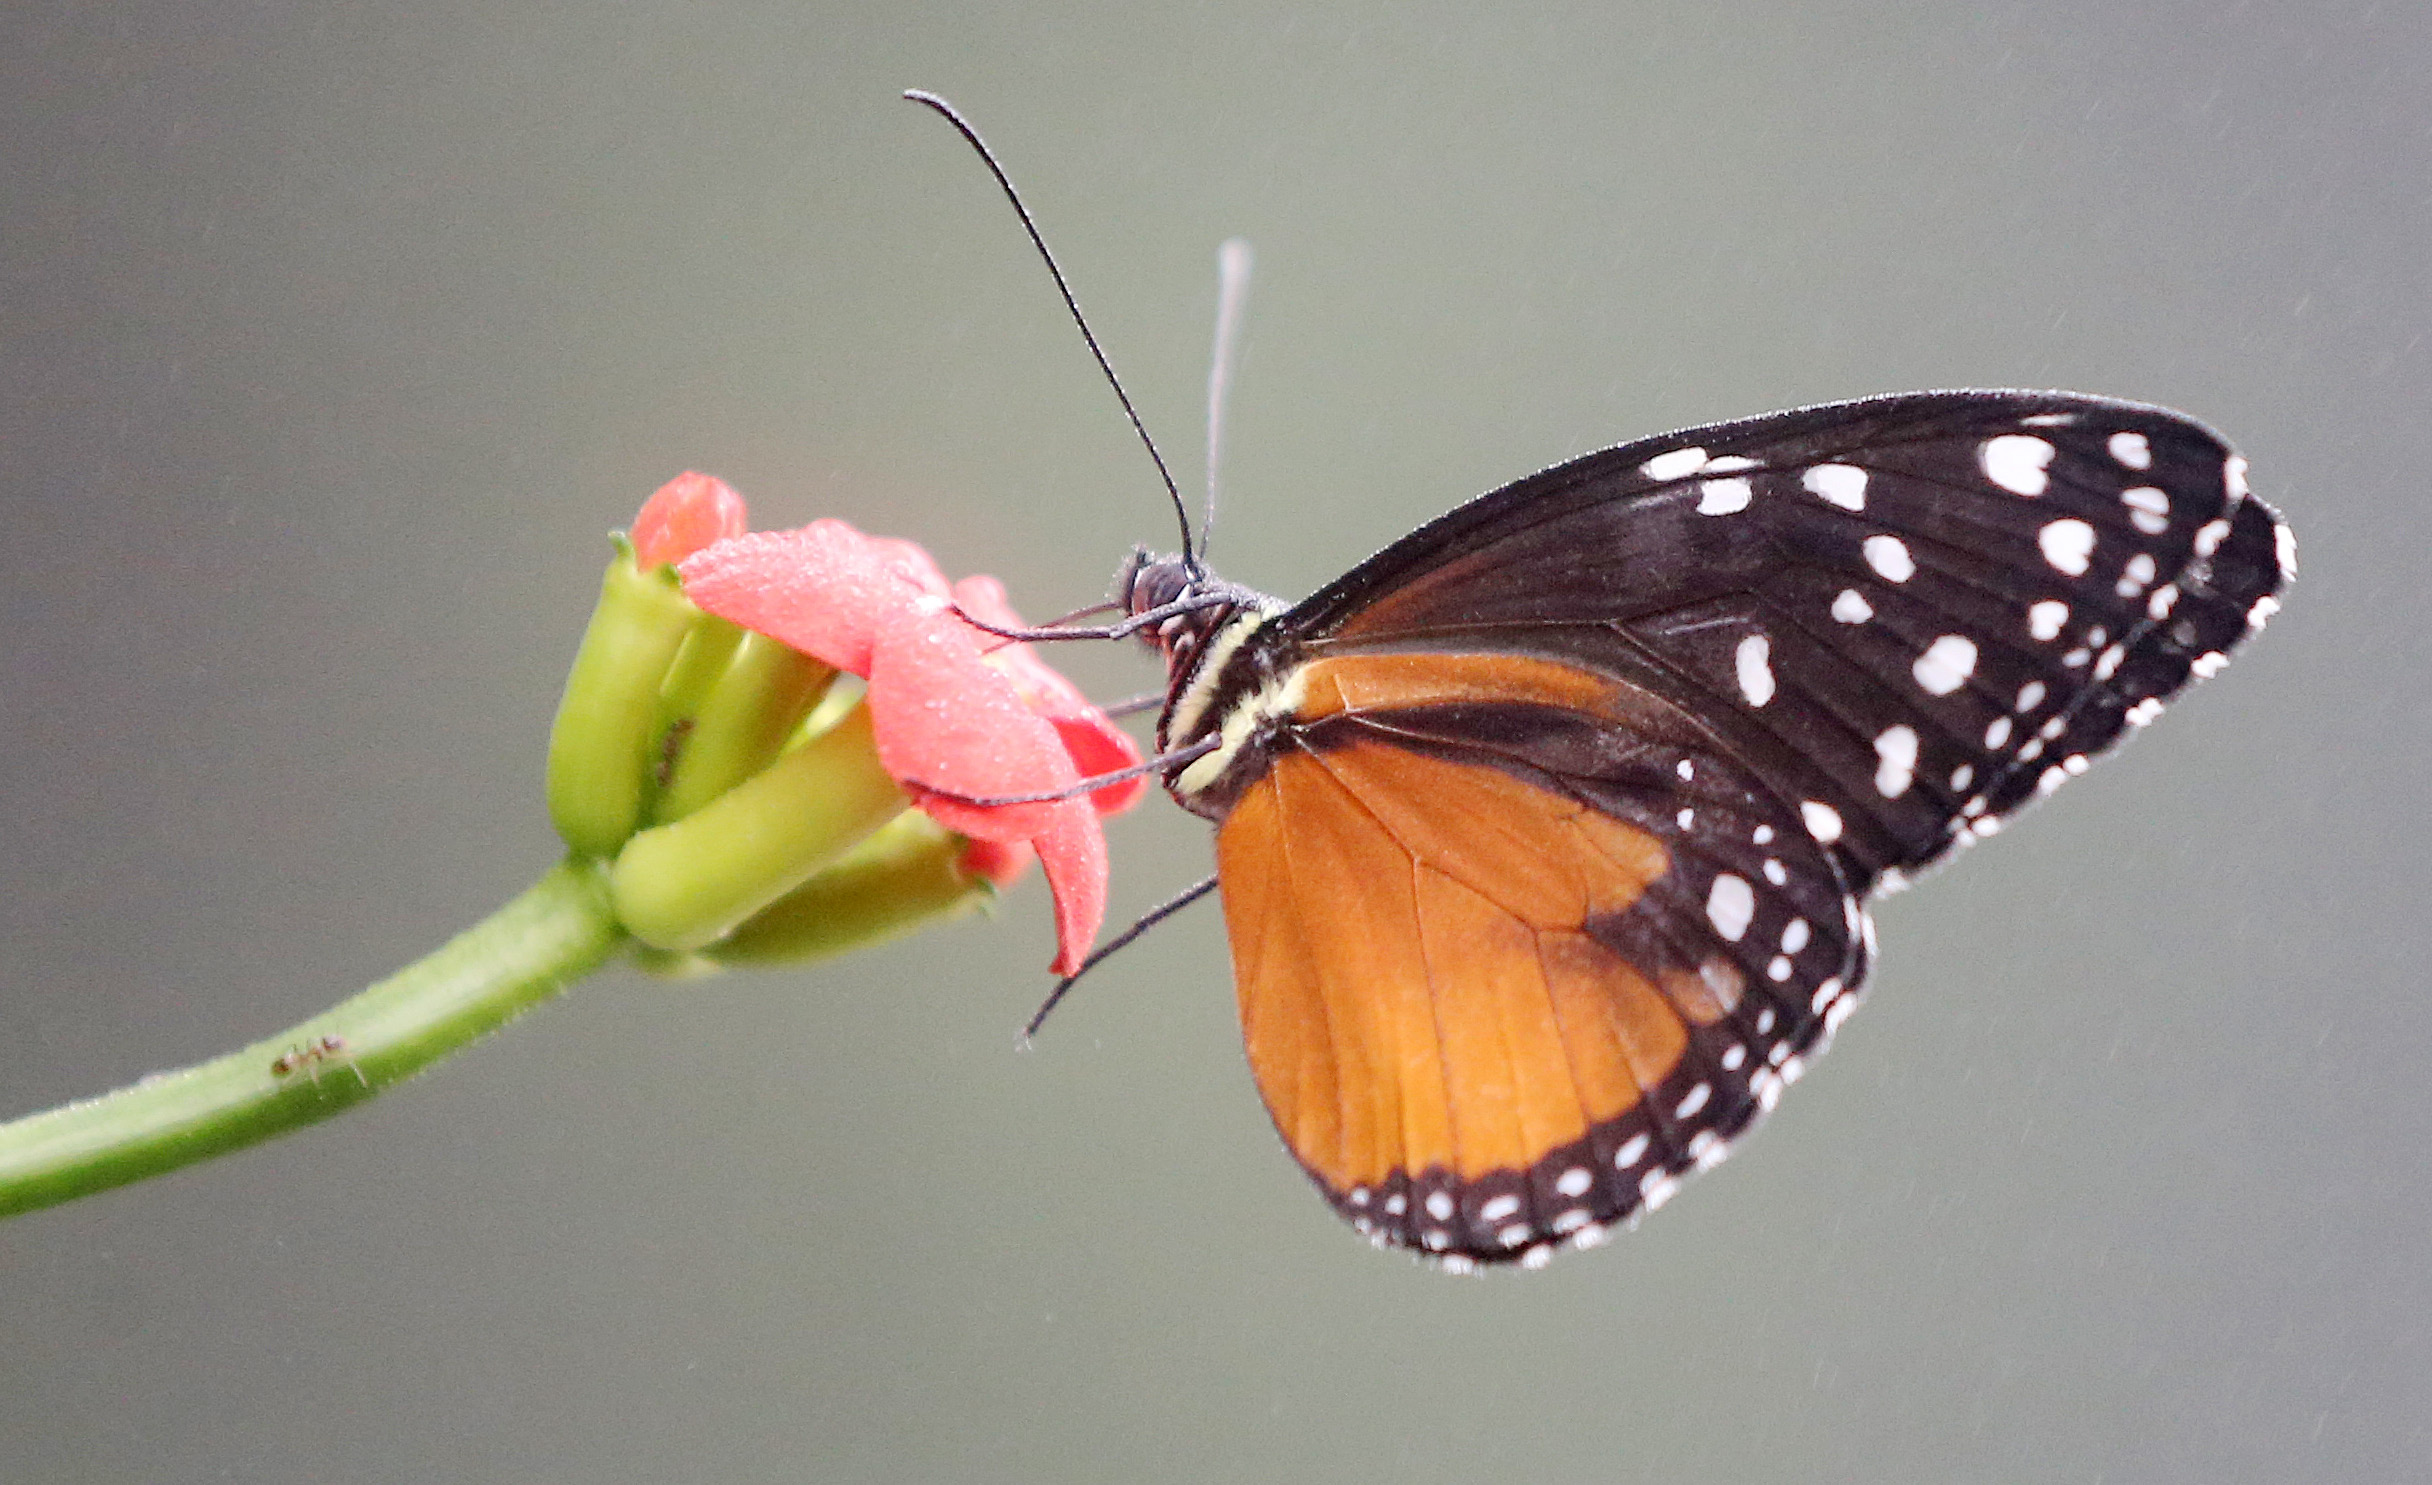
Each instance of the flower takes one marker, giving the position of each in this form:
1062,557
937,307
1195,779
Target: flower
956,713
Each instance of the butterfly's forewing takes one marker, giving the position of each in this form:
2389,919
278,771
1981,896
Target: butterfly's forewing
1790,656
1910,610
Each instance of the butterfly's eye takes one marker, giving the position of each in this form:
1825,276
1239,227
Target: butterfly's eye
1156,584
1127,578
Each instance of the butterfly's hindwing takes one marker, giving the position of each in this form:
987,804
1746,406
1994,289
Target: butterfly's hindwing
1509,968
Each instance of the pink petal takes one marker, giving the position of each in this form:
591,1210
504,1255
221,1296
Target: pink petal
824,589
1073,850
689,512
946,720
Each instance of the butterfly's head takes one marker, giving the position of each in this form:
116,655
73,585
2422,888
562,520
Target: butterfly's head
1149,581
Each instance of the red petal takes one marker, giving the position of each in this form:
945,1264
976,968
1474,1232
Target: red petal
1001,862
983,597
912,562
1073,850
1095,744
945,719
689,512
825,589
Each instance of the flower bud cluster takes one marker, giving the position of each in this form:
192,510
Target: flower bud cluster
775,739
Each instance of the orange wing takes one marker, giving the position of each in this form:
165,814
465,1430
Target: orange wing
1444,1026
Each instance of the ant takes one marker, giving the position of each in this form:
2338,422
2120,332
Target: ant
311,1057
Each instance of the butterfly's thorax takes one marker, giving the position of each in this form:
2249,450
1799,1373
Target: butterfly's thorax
1227,675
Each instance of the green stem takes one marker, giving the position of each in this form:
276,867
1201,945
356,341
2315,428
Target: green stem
560,930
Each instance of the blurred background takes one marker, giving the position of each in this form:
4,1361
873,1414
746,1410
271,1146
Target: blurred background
335,337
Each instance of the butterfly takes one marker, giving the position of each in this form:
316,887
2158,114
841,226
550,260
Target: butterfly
1545,836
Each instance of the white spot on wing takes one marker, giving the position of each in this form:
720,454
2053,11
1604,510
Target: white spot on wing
2208,664
1724,497
1888,555
2067,544
1946,664
2284,545
1997,735
2233,476
1756,676
2030,696
1674,465
1575,1181
1728,464
1730,903
1896,761
2132,450
1852,608
1842,484
1695,1101
2045,618
1823,821
1500,1208
2015,461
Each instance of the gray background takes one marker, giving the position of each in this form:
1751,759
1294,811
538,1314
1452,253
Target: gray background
336,335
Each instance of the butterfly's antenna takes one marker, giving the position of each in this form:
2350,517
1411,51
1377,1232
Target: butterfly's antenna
963,127
1233,259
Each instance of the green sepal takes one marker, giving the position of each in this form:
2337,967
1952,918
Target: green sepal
736,722
907,876
604,750
688,884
